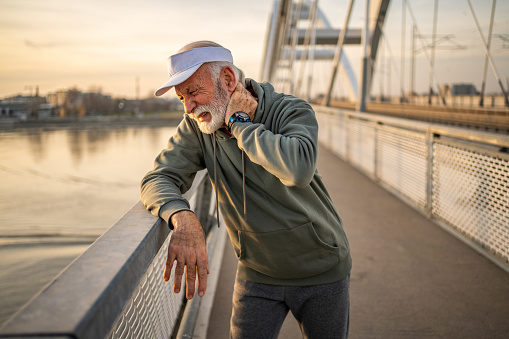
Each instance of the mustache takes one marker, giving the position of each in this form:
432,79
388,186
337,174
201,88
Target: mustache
211,107
200,110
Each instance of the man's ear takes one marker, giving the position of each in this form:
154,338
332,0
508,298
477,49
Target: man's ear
228,79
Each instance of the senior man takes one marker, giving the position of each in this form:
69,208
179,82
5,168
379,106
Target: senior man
260,150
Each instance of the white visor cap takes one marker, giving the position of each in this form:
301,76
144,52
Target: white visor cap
182,65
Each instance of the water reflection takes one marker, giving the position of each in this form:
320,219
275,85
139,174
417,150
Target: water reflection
155,138
75,145
53,168
85,143
95,138
60,189
37,142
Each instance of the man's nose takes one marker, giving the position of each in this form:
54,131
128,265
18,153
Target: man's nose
189,105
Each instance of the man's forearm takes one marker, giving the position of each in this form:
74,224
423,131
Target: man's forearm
291,157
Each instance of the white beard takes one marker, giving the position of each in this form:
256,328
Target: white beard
216,108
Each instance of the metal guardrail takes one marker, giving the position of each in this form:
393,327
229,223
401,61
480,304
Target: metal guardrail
474,118
458,178
115,288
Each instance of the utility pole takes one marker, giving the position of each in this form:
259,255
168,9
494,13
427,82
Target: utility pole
433,43
412,74
306,47
381,67
361,105
311,58
137,108
337,54
483,86
488,54
403,38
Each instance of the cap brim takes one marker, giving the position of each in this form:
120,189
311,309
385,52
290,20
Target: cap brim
177,79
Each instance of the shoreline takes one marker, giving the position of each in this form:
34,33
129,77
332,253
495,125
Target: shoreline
110,121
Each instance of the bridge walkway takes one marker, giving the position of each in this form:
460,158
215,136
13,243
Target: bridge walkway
410,278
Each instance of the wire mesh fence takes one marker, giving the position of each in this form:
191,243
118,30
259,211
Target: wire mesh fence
458,178
153,309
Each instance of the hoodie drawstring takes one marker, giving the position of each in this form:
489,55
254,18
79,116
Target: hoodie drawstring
215,180
243,182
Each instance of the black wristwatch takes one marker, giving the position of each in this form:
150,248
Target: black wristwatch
238,116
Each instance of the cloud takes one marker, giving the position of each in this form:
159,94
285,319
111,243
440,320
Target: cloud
42,45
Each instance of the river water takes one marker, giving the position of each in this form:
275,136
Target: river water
59,191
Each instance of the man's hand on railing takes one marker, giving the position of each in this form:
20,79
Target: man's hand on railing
188,248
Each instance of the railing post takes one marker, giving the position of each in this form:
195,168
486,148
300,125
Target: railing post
429,173
365,67
376,125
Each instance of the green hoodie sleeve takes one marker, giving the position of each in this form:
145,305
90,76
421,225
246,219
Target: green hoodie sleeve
286,145
173,174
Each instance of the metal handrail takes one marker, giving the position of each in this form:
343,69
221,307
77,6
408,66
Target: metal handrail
495,139
86,299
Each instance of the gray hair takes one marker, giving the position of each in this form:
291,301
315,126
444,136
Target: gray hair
216,67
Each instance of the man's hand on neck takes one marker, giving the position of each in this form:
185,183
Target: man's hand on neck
241,100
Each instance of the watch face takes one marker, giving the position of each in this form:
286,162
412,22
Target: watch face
241,115
238,116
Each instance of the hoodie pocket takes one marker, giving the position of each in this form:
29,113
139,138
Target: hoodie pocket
287,254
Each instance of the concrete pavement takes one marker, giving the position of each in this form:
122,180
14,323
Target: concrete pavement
410,278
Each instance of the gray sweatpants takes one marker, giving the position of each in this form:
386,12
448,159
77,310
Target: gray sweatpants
259,310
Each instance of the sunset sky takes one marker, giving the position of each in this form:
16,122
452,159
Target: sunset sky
56,44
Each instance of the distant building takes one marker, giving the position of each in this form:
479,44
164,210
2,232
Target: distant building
67,103
21,107
73,103
157,104
44,111
463,89
13,110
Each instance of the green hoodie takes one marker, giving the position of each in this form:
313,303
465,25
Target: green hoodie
293,234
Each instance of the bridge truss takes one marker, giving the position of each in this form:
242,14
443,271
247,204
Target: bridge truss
306,56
